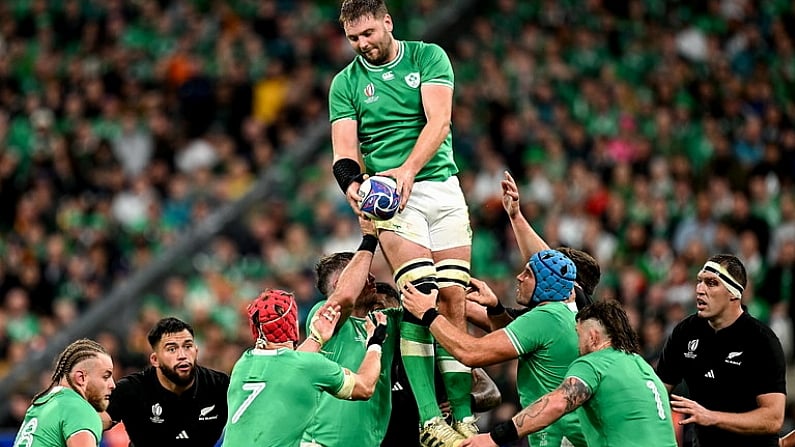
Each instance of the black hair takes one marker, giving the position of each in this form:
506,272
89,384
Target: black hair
327,267
616,324
389,291
588,271
733,265
168,325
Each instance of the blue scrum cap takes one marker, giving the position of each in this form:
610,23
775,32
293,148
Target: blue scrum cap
555,274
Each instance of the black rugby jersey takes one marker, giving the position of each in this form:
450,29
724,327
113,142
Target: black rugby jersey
725,371
154,416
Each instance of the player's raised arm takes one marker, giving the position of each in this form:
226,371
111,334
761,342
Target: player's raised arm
354,277
369,371
529,241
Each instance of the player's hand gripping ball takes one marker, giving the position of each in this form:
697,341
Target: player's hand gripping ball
380,199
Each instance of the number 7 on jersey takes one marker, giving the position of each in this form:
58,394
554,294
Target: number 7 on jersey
254,388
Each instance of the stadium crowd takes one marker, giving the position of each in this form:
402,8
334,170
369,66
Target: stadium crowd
650,134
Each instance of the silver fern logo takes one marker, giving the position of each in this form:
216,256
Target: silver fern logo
205,411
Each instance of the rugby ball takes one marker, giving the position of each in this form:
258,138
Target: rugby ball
380,199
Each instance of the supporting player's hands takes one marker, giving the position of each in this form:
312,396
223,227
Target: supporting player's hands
417,302
324,321
510,195
353,197
480,292
367,226
404,178
696,414
375,326
481,440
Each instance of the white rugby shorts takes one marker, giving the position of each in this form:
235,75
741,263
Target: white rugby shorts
436,216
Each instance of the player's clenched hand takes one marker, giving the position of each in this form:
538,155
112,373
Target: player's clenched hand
375,326
481,440
480,292
417,302
353,197
324,321
696,414
376,318
404,179
510,195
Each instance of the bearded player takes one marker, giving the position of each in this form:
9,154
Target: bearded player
174,401
390,113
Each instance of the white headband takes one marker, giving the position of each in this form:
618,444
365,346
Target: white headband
725,277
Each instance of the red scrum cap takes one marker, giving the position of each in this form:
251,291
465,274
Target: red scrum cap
273,316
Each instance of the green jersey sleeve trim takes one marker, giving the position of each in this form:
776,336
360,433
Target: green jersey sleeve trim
514,341
86,430
436,66
340,102
443,82
590,388
343,118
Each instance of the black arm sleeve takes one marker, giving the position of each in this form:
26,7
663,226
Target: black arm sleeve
347,171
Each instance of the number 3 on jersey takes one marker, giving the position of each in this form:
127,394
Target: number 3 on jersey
254,388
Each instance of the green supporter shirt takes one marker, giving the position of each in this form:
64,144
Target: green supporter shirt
629,405
386,102
546,340
272,392
55,417
341,423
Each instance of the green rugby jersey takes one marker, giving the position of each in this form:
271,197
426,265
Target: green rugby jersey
273,392
56,416
629,406
546,340
386,102
341,423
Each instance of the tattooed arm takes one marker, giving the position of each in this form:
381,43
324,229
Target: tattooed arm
572,393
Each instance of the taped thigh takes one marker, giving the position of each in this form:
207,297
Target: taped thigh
420,272
452,272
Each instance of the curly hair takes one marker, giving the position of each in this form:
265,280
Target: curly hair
353,10
616,323
588,271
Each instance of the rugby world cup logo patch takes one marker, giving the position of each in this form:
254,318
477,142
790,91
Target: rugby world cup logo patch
692,345
369,92
157,411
